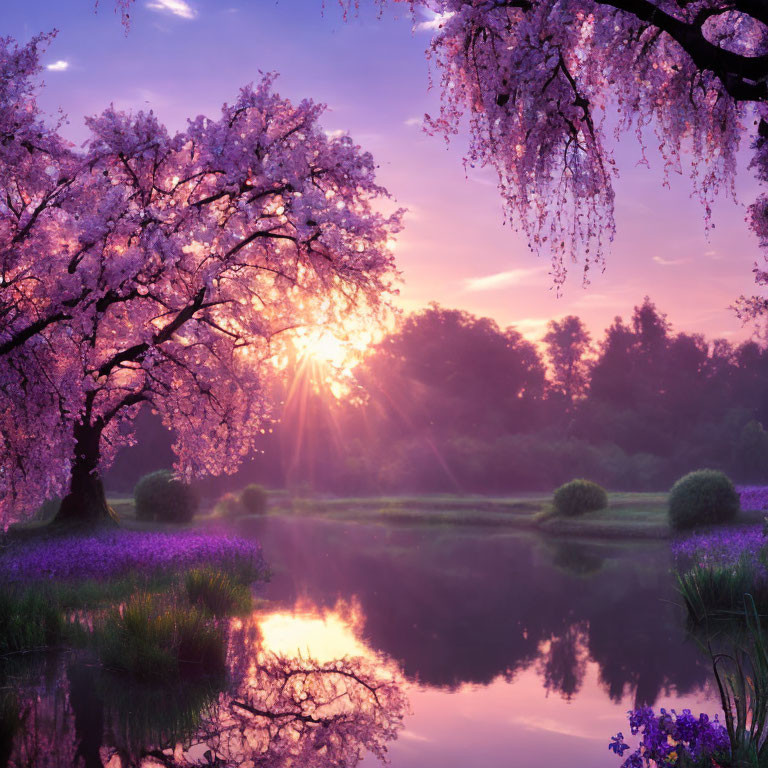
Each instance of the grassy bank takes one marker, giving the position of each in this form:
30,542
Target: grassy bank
628,515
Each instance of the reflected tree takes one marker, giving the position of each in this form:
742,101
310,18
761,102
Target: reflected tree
448,622
297,711
565,661
279,711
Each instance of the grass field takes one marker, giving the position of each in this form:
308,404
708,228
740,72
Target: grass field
629,515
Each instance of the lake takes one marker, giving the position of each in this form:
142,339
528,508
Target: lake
468,647
517,650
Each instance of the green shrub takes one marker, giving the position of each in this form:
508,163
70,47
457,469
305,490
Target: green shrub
29,620
48,509
163,497
217,592
704,497
229,505
579,496
153,641
254,499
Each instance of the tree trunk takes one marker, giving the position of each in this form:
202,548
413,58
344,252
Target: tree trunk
85,502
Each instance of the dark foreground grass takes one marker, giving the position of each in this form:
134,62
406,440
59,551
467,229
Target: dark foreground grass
153,640
217,592
718,591
30,620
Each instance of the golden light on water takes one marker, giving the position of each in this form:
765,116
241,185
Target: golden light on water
323,635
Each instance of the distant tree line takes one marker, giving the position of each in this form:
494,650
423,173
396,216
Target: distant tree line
452,402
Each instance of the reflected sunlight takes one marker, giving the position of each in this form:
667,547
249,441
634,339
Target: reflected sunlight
323,635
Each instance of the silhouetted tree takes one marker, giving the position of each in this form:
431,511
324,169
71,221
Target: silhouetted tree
568,344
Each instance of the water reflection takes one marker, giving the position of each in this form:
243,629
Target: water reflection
277,707
459,607
306,630
505,649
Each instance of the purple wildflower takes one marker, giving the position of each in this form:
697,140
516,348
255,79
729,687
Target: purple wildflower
669,739
753,496
724,547
108,555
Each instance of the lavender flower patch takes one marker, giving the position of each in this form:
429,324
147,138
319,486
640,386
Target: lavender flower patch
108,555
670,739
753,496
723,547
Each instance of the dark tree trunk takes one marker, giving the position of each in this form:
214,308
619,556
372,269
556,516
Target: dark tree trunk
85,502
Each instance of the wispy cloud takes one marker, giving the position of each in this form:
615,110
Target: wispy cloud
501,279
433,22
58,66
411,122
669,262
179,8
531,324
597,300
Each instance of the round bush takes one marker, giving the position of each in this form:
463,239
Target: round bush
704,497
254,499
164,497
229,505
578,497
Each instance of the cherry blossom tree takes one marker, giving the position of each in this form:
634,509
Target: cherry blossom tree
164,270
543,85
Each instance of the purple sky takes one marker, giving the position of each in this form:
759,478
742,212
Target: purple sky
185,57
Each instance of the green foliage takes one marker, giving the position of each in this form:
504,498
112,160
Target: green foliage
29,620
717,591
741,674
163,497
703,497
156,641
578,497
217,592
229,505
89,594
254,499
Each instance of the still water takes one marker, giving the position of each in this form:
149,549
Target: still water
448,648
516,650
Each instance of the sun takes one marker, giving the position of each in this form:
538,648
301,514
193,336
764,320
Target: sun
335,349
321,357
325,348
